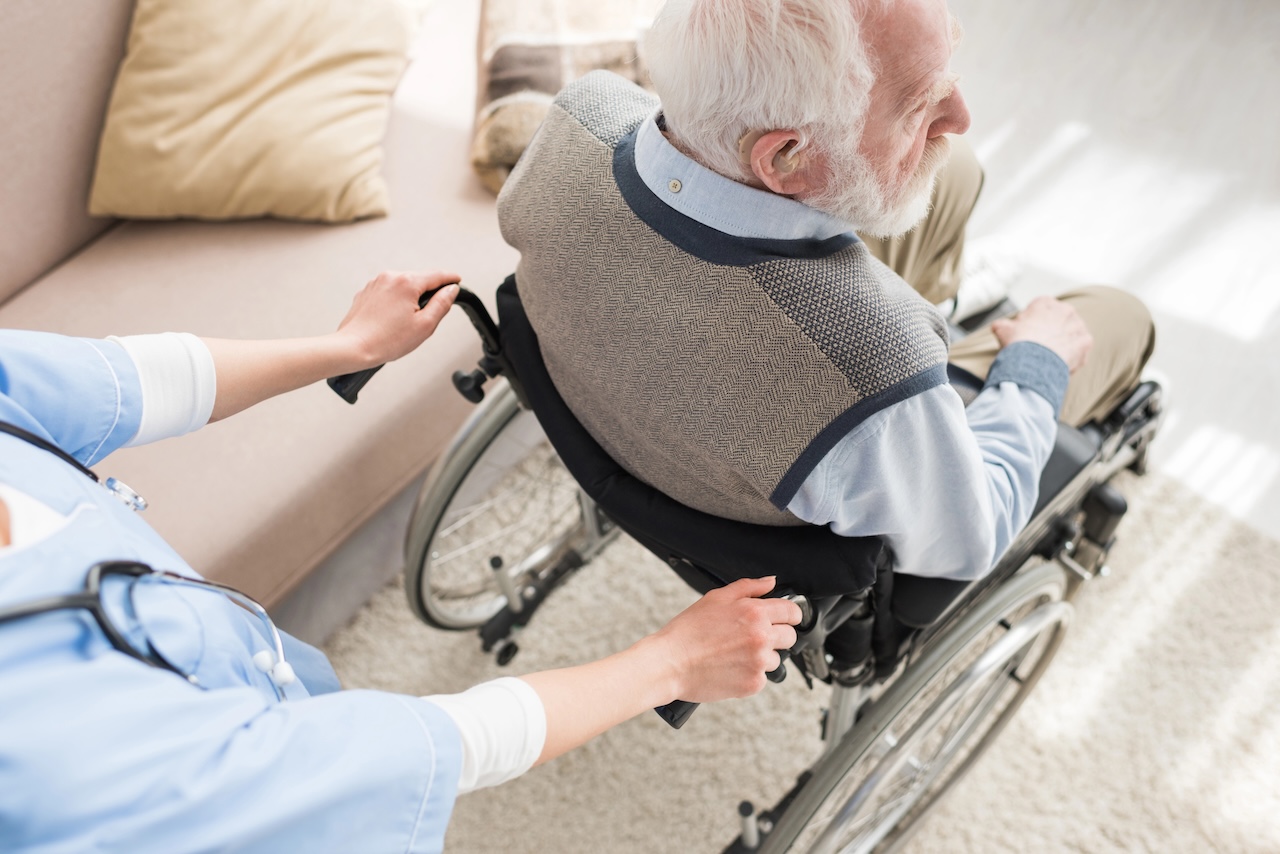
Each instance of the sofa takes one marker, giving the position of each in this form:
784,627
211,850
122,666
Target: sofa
300,501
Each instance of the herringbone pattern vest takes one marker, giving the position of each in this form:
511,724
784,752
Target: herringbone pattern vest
719,370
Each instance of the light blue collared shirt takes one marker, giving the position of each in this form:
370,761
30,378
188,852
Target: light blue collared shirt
721,203
948,487
100,752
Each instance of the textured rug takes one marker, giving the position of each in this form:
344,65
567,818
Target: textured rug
1154,730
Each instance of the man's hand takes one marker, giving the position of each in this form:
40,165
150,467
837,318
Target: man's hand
1050,323
722,645
385,323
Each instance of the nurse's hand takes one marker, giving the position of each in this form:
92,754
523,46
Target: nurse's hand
723,645
719,647
385,323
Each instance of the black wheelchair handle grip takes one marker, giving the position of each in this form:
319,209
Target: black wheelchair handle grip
676,713
679,711
348,386
780,672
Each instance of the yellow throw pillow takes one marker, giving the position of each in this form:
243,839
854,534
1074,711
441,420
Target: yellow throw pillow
225,109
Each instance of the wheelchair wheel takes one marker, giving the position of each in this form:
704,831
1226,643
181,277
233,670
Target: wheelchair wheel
931,724
498,495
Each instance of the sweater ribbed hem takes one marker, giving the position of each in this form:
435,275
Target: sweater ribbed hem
1034,367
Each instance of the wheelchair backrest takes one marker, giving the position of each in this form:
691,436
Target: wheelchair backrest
706,551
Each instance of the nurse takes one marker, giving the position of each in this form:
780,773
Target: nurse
142,712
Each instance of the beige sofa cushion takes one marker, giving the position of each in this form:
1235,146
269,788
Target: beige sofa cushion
531,49
241,108
261,499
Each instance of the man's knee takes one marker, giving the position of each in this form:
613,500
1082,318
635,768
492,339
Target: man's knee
1103,304
1116,319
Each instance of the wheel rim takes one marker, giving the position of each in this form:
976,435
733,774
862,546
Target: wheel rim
934,739
516,502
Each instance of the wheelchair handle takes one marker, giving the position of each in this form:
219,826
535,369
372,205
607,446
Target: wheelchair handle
676,713
679,711
348,386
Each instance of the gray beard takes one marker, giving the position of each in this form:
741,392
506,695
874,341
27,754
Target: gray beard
855,194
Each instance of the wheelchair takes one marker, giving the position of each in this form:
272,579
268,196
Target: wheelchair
924,673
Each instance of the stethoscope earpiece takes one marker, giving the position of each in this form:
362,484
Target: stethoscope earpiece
282,674
279,672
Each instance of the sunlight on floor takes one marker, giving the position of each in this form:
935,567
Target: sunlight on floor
1224,467
1245,793
1089,211
1135,627
1073,204
1226,278
1243,717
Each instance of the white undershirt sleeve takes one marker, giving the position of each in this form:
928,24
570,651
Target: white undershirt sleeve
503,726
179,383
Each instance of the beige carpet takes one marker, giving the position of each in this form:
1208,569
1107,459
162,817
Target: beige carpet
1155,729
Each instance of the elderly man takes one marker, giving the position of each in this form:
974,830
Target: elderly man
708,312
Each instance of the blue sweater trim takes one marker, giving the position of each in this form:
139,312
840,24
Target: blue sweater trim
1034,367
702,241
844,424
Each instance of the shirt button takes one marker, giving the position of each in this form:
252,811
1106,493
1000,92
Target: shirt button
674,185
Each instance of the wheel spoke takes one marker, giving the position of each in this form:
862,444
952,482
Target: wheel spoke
937,718
524,524
473,511
502,491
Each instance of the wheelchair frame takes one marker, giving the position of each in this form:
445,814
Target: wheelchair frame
901,727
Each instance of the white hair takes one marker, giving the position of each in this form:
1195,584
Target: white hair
724,68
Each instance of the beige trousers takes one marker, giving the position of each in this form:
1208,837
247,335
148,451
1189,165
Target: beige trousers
929,258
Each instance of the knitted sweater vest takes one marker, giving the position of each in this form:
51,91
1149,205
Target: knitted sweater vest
719,370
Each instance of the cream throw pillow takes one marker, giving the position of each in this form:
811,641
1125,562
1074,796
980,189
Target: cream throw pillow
241,108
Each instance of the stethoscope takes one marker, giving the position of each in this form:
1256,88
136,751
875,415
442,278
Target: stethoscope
120,490
279,671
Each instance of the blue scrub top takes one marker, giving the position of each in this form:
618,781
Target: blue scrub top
101,752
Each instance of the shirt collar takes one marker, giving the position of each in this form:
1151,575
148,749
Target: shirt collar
722,203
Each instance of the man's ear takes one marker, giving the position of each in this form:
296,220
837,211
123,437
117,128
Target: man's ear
778,162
